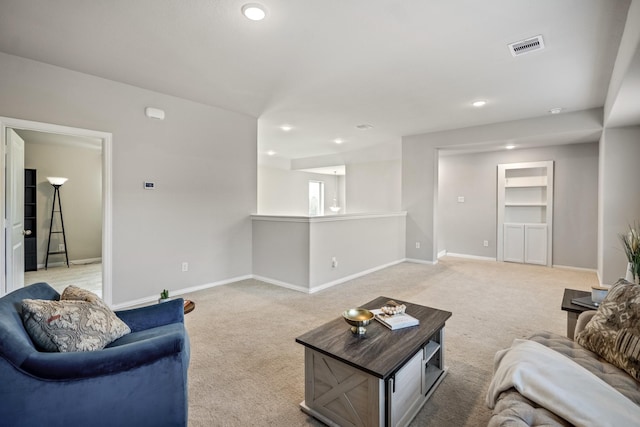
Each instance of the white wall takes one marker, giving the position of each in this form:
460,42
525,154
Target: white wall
203,160
81,198
358,245
286,192
462,227
281,252
373,186
620,198
420,164
619,204
419,198
373,177
621,106
298,252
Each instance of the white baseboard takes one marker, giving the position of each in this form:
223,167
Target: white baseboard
353,276
178,292
314,289
72,262
134,303
568,267
420,261
481,258
442,253
85,261
281,284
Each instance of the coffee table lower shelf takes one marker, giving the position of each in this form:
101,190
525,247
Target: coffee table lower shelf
341,395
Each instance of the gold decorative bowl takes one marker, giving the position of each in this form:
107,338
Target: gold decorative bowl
358,318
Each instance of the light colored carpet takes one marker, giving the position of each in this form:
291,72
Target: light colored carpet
247,370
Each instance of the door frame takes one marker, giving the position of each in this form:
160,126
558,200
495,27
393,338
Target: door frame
107,230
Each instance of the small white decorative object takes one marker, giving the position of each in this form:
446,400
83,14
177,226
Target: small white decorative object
393,308
629,277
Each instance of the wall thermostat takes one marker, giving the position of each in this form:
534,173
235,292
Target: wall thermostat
148,185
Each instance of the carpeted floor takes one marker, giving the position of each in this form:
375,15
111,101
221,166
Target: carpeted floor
247,370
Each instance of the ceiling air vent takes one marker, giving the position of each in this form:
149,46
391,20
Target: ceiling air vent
526,46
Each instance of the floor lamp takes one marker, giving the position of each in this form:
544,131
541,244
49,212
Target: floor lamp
56,182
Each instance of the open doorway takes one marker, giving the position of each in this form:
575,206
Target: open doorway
68,241
85,156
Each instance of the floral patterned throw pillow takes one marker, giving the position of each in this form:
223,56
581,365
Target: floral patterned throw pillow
614,331
75,293
81,323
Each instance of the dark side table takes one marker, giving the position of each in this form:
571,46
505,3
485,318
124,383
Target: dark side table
189,306
573,310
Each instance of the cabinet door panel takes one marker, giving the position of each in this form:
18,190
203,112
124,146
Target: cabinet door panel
514,242
535,244
408,391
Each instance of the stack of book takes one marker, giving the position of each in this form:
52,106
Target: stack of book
585,302
395,321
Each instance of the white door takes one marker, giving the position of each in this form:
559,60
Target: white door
14,205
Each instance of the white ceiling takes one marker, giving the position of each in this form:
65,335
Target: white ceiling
325,66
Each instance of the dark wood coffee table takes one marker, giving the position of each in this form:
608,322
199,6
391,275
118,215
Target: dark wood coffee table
573,310
381,378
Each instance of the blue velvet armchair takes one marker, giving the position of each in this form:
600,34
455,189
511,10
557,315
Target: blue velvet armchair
137,380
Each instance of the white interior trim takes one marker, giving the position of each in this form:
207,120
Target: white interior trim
176,292
481,258
72,262
314,289
106,137
420,261
326,218
568,267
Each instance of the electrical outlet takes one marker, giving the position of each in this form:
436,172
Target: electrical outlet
486,243
417,245
334,262
61,247
460,199
185,266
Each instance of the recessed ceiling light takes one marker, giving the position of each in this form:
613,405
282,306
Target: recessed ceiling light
556,110
254,11
510,147
338,141
364,126
479,103
286,128
271,153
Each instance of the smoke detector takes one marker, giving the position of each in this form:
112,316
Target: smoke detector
525,46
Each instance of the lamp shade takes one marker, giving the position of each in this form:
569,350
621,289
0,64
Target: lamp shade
56,180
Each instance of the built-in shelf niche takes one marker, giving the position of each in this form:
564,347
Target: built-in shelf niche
525,212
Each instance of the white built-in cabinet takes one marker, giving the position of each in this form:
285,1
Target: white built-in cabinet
525,212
